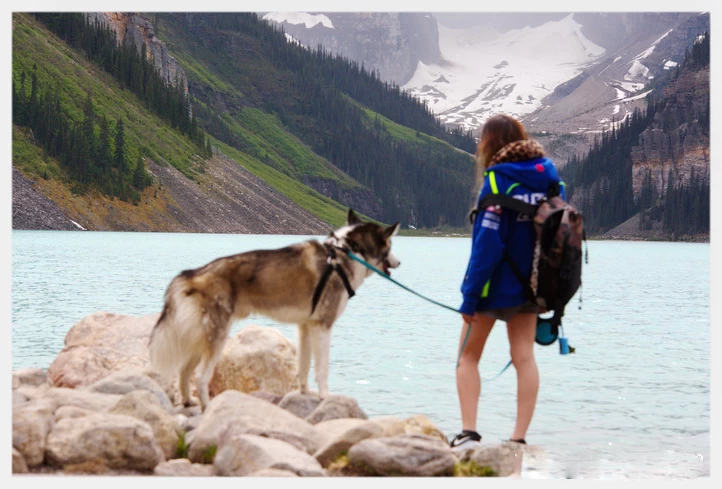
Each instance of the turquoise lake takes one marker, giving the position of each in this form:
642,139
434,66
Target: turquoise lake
632,402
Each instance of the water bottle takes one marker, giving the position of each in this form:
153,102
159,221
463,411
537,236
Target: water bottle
563,346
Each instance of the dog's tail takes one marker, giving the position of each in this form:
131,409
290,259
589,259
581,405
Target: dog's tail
173,338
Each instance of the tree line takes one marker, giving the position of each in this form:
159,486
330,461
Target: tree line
314,95
131,68
92,149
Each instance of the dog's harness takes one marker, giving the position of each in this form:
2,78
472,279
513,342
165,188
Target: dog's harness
331,266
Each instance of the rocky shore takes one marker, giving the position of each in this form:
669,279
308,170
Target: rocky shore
100,409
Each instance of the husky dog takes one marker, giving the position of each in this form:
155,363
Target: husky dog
307,284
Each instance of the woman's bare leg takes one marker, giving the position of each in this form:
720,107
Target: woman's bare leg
468,382
522,330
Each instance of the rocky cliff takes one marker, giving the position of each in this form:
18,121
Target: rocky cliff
134,29
678,138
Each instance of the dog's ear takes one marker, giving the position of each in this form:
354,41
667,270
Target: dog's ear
352,218
391,230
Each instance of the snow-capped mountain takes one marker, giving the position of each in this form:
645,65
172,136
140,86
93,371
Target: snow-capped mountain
391,42
485,72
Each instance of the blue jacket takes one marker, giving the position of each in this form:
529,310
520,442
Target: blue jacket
489,282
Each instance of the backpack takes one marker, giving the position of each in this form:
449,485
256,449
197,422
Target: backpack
557,264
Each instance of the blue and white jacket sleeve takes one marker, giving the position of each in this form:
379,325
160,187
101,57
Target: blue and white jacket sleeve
487,249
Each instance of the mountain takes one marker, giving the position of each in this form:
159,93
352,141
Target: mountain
392,43
649,177
215,123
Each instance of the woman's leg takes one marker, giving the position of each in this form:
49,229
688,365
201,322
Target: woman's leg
521,329
468,382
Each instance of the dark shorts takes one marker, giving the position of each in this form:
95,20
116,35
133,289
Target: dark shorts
506,313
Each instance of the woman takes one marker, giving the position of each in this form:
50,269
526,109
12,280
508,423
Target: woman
511,164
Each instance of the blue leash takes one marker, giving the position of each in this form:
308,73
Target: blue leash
387,277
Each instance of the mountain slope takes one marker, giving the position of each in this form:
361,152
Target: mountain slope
168,155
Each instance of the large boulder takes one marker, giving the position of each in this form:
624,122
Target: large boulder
101,344
127,381
32,421
505,459
406,455
33,377
145,406
336,407
256,358
182,467
93,401
241,413
113,440
342,434
240,455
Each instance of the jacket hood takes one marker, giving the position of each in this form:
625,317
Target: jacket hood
535,174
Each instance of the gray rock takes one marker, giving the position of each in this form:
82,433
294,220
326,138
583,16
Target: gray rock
272,473
504,459
71,412
341,435
113,440
93,401
242,413
19,465
124,382
405,455
145,406
336,407
33,377
300,404
240,455
182,467
267,396
32,421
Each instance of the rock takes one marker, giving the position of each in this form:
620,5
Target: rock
26,393
19,465
299,404
93,401
405,455
32,421
124,382
70,412
240,455
182,467
256,358
145,406
112,440
242,413
101,344
414,425
272,473
267,396
342,434
33,377
336,407
504,459
421,425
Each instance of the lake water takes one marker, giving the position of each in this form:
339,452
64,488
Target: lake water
633,401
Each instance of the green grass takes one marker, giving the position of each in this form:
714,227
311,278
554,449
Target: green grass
209,454
74,76
319,205
472,469
32,159
181,446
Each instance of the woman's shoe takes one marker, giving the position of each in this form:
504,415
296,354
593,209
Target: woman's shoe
520,440
465,440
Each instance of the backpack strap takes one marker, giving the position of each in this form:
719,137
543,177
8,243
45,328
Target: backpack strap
522,280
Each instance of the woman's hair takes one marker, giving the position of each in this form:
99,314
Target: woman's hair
498,131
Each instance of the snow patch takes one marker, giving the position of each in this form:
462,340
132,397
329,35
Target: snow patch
616,109
670,64
637,97
295,18
78,225
477,80
617,59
